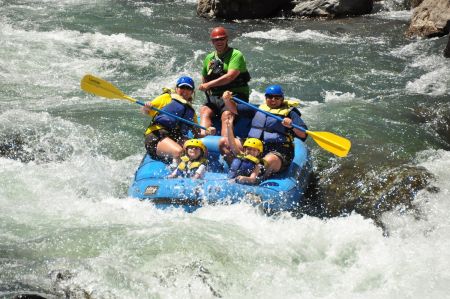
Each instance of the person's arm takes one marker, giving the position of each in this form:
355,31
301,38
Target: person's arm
229,103
300,134
296,119
252,179
158,102
174,174
231,139
229,77
200,172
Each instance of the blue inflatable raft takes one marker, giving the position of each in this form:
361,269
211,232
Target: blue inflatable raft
283,192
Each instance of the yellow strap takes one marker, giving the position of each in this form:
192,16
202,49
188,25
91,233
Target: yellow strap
159,102
283,110
153,128
180,99
249,157
190,165
168,90
291,103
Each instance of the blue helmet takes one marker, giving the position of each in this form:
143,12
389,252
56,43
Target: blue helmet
274,90
185,81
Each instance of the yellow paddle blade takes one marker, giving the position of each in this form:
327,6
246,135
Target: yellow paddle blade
333,143
103,88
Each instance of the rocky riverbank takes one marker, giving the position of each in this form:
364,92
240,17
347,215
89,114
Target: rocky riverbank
430,17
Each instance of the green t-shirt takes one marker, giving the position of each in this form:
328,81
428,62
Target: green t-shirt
232,60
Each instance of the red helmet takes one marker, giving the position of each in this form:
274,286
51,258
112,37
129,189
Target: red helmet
218,32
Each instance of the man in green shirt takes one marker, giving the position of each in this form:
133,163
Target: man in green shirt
223,69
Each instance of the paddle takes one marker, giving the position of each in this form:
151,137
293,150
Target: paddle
103,88
335,144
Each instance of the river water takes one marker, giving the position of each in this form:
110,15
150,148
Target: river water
67,228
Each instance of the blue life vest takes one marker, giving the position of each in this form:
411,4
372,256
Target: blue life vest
179,107
242,165
270,130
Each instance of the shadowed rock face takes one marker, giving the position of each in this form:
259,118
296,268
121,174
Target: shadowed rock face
29,296
415,3
438,118
371,191
239,9
430,18
26,148
251,9
447,49
16,148
332,8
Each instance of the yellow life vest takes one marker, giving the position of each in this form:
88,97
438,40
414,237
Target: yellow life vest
190,166
283,110
249,157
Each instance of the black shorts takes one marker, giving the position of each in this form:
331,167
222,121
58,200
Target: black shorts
284,151
216,104
152,140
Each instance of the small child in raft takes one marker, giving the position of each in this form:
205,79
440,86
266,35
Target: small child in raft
246,166
193,163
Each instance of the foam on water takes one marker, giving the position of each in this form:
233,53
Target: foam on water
41,59
435,81
402,15
435,68
425,239
280,35
312,36
71,216
411,49
338,96
138,251
46,138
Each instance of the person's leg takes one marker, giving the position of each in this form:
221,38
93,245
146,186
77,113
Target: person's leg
167,147
210,112
206,115
151,142
273,164
224,117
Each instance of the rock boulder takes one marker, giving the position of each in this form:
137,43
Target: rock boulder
430,18
239,9
447,49
332,8
253,9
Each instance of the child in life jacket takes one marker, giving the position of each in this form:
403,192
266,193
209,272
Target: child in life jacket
246,166
193,163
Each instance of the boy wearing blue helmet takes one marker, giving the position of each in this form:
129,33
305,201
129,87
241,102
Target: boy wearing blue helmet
165,135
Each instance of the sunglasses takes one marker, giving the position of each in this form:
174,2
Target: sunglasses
275,97
220,39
